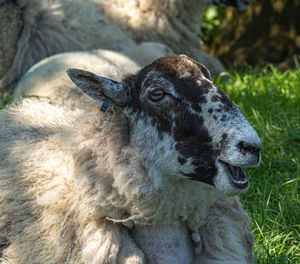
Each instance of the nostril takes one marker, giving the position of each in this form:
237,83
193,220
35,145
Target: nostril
243,150
246,148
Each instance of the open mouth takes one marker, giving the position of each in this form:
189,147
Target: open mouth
236,175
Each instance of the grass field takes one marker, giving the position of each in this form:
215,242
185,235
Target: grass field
270,100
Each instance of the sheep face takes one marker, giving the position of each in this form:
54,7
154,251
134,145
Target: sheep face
183,124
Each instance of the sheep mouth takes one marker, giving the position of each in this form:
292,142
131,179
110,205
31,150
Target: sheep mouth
235,175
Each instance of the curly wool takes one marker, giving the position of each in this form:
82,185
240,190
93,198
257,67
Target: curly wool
62,191
43,205
75,189
54,26
38,29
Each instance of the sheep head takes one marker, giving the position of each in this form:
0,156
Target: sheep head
185,126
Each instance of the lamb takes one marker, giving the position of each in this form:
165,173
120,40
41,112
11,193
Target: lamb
31,30
82,186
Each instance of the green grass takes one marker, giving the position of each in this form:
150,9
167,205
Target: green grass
5,101
270,100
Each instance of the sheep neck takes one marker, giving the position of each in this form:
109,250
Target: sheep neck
123,186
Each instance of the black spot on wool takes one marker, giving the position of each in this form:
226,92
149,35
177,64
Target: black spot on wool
196,107
182,160
193,141
171,68
188,90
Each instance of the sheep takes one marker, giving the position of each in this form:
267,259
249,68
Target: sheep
152,179
32,30
48,27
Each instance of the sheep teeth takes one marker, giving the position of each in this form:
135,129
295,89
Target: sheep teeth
238,175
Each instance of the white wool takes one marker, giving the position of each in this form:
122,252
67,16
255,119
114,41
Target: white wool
63,152
32,30
55,26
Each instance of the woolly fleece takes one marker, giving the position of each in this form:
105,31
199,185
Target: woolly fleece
69,177
33,30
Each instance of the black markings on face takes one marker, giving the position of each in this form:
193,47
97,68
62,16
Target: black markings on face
216,98
193,141
173,67
223,141
226,102
190,88
196,107
159,116
224,118
162,123
165,71
186,88
206,86
182,160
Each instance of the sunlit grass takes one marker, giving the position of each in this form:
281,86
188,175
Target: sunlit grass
270,100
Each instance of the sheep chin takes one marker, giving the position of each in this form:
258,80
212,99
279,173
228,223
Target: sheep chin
228,183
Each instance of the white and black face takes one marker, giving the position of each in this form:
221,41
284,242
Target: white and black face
177,115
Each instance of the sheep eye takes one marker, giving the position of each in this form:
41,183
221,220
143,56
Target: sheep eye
156,95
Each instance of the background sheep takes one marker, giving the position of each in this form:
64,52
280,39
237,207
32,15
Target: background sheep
93,182
32,30
47,80
38,29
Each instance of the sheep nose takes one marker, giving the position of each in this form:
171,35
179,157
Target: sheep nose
247,148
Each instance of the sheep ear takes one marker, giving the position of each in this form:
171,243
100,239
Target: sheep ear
98,87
